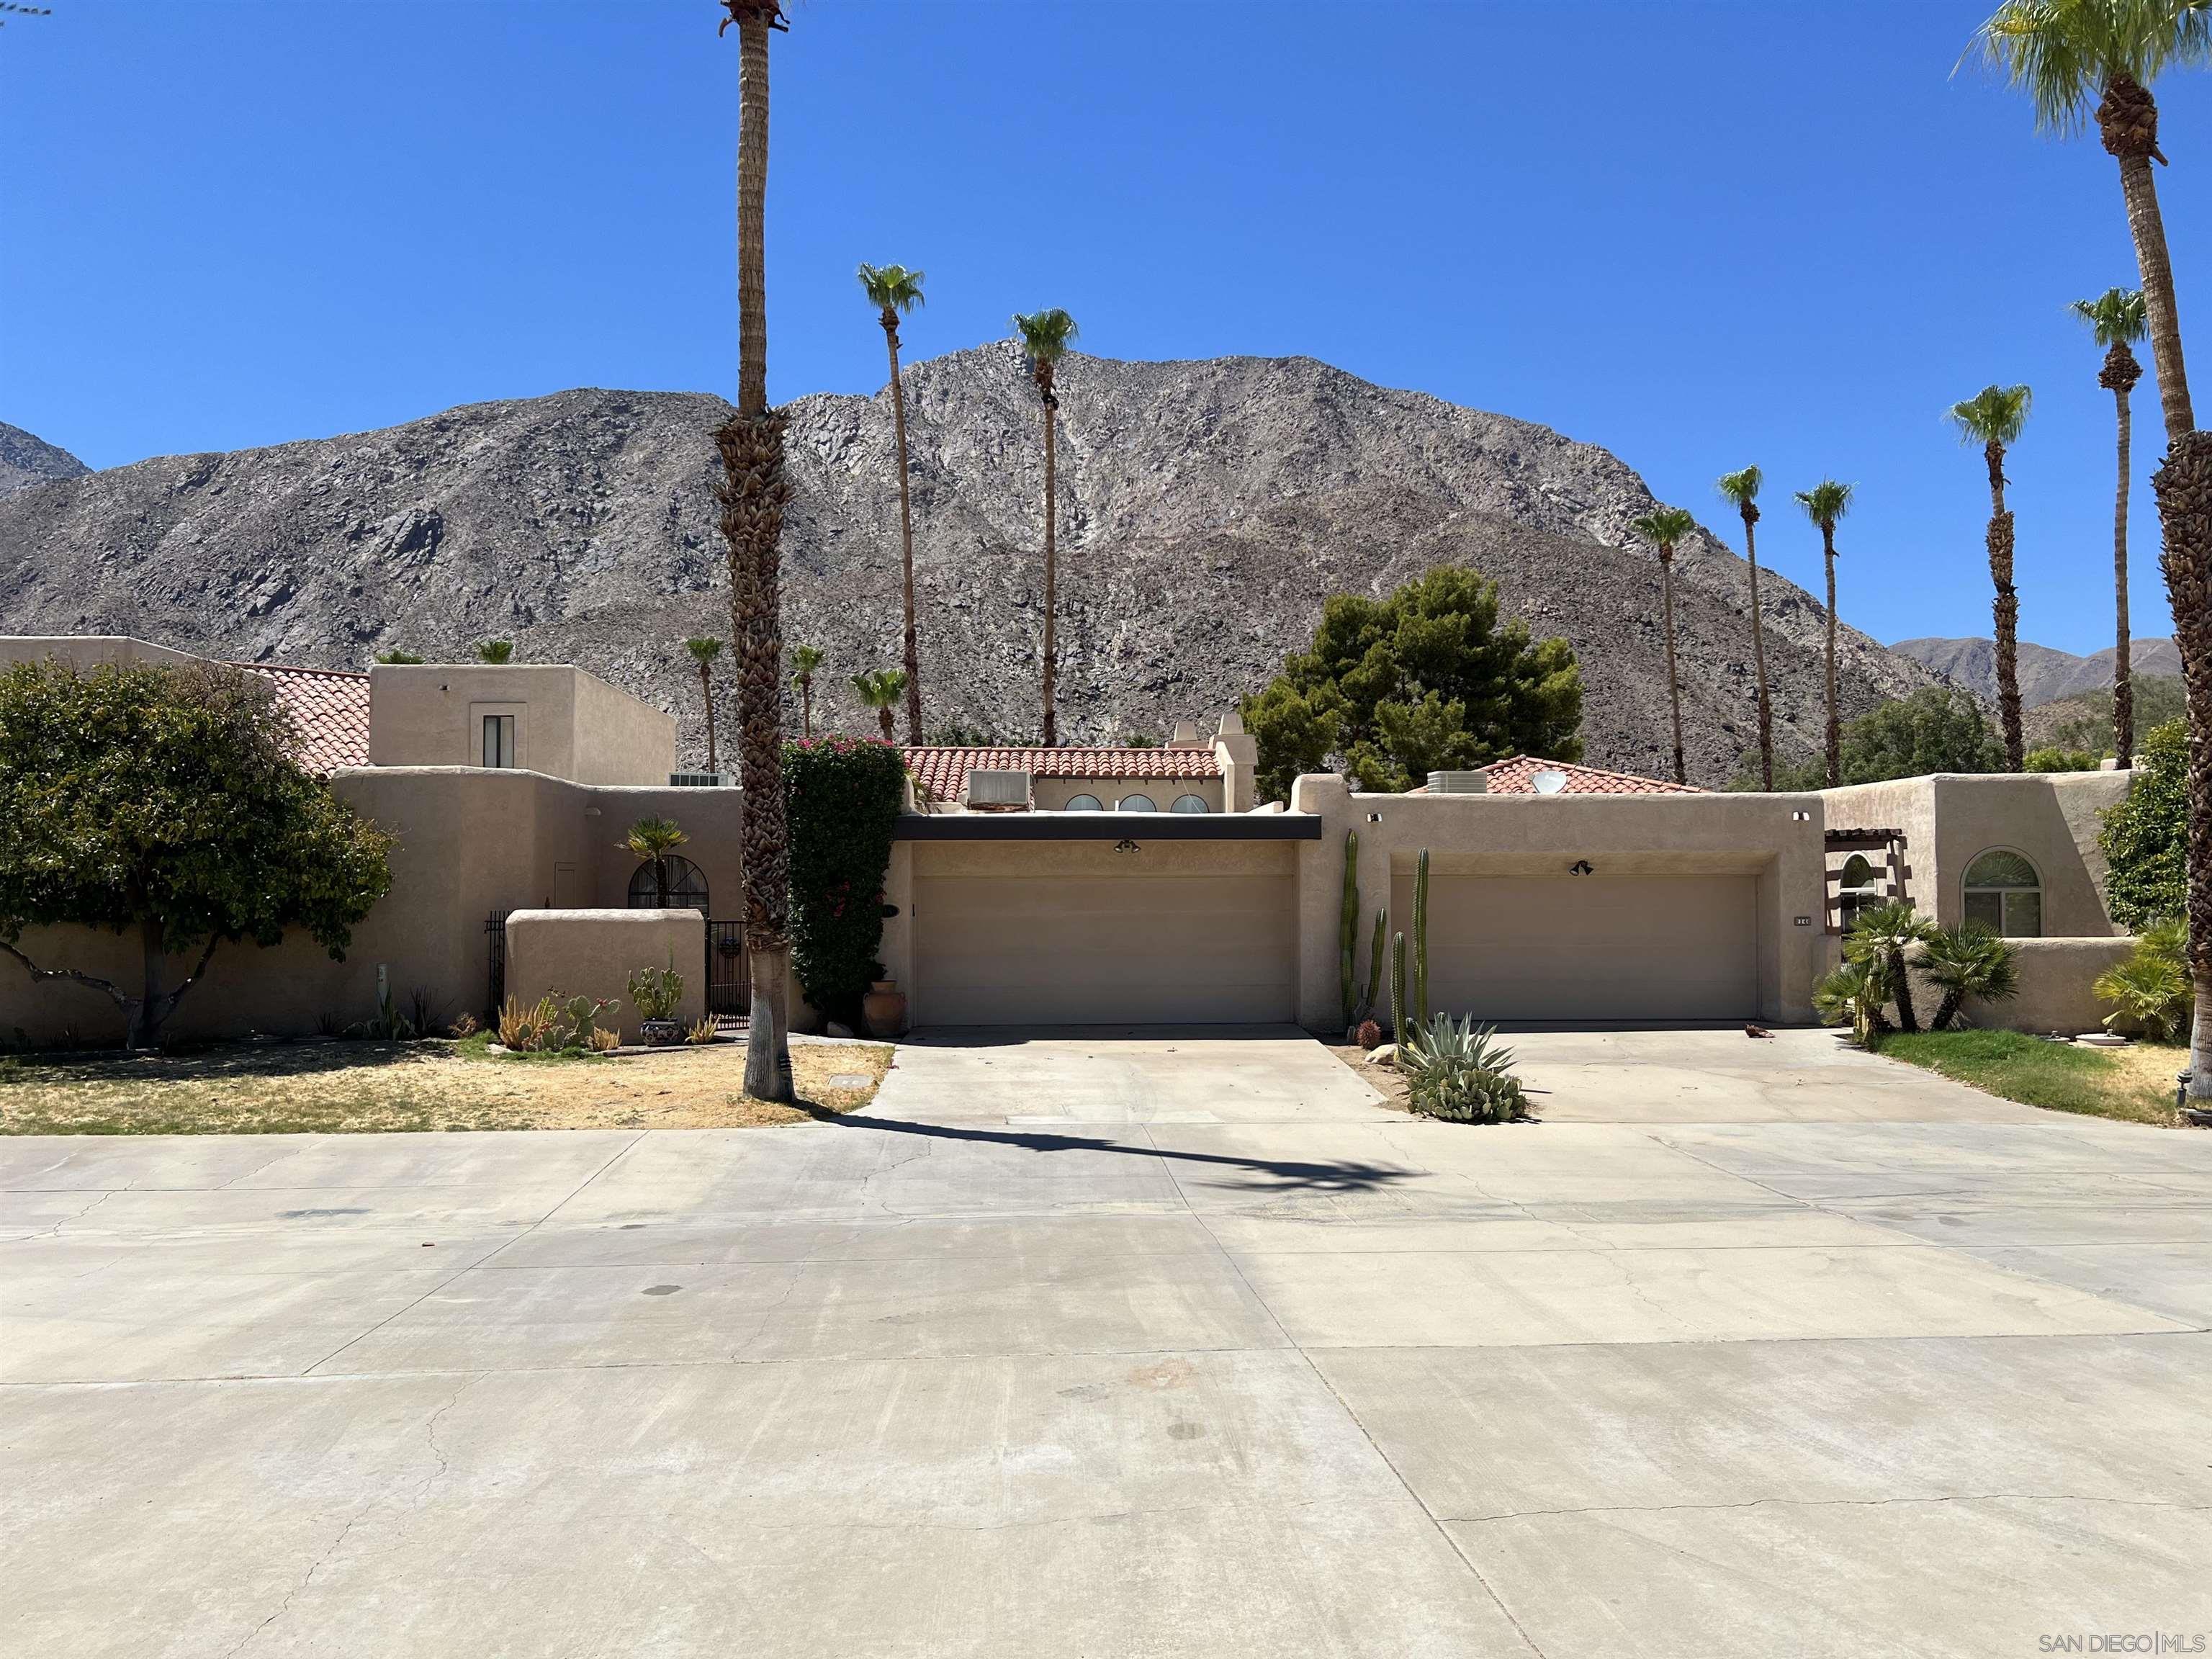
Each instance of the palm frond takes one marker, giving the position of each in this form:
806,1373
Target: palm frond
1046,335
2063,53
1995,414
891,288
1826,501
2116,317
1664,526
1742,486
880,687
703,650
805,661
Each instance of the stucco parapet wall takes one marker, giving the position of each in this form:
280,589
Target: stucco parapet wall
2053,991
594,953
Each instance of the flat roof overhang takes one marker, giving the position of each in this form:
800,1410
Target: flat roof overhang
1107,826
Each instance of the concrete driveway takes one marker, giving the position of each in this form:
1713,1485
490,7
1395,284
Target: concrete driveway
1083,1345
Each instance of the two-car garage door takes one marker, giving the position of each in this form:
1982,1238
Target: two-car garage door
1591,947
1079,935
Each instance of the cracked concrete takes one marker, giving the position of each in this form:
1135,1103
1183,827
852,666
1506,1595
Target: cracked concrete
1162,1344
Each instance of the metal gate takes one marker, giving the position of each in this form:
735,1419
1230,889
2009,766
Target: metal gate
495,930
729,983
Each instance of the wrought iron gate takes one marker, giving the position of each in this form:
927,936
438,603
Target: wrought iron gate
729,983
496,930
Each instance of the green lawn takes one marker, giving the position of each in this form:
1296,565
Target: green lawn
2135,1083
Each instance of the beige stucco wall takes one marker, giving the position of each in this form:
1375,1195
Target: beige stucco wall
2055,977
1776,839
568,724
1950,820
568,953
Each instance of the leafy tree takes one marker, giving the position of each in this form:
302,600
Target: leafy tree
1939,728
846,794
2054,757
2086,720
1741,490
1429,679
2145,839
880,689
1994,418
703,651
1664,527
893,290
2075,58
1824,503
166,801
2117,318
752,494
1046,336
496,651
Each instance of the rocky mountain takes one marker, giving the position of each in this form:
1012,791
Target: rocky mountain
2045,675
1206,509
25,460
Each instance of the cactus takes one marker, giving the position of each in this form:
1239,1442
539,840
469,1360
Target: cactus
1372,994
1397,987
1420,985
1347,930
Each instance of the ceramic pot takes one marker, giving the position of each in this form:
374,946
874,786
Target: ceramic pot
661,1032
885,1007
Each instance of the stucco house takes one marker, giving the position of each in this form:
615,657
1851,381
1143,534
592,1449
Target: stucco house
1128,885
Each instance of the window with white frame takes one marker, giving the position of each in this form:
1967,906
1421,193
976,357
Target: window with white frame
1135,803
1190,803
499,740
2004,895
1083,803
1857,889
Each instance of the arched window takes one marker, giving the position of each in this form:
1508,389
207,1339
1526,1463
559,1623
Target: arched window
1190,803
1856,890
687,886
1135,803
2004,895
1083,803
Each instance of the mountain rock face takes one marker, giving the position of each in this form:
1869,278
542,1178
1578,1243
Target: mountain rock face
25,460
1206,510
2045,675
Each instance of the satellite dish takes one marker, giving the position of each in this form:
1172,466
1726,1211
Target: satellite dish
1548,782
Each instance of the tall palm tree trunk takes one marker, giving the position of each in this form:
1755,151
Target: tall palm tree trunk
2128,121
753,495
910,659
1051,569
1758,652
1674,681
1835,734
2120,373
706,696
2005,610
806,705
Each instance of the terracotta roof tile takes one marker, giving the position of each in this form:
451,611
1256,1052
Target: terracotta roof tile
1516,776
329,706
944,772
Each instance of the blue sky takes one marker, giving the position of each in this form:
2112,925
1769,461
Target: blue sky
1699,234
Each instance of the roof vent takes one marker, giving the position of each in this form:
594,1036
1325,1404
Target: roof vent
1459,783
999,789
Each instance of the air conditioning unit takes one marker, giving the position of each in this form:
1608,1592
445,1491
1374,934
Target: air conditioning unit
1459,783
999,789
702,779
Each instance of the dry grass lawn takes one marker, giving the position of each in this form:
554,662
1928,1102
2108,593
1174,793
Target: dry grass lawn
368,1087
2135,1083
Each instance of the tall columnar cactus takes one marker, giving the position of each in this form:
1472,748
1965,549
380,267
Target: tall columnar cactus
1373,993
1347,930
1398,1032
1420,986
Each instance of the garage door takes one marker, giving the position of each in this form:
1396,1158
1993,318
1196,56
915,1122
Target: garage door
1591,947
1082,945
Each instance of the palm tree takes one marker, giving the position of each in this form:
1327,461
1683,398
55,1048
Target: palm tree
703,651
1665,527
1993,417
1743,489
893,290
752,494
1969,961
1046,336
1824,503
1879,941
653,840
2076,58
880,689
805,661
496,651
2117,320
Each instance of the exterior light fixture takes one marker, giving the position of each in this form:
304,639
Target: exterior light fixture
1125,845
1582,867
1801,816
1375,818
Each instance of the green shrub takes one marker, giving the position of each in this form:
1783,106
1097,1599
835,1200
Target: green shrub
843,797
2151,991
2144,838
655,992
1969,961
2053,758
1454,1069
1853,995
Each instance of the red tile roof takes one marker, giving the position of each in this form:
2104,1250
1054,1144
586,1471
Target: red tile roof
1517,777
944,772
329,706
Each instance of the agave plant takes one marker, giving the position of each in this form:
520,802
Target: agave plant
1881,939
1456,1070
1969,961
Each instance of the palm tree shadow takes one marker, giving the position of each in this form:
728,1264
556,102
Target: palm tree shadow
1286,1175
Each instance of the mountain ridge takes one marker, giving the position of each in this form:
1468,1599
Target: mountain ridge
2046,674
